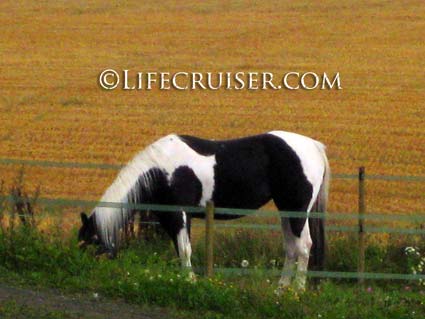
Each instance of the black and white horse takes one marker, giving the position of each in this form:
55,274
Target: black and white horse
291,169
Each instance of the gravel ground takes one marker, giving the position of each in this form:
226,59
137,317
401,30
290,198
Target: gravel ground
77,305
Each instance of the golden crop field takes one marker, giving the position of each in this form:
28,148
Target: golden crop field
52,108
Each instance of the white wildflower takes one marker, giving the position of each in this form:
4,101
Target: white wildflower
409,250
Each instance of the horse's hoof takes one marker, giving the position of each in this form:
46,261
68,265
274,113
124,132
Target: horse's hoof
284,282
191,277
281,288
299,287
279,291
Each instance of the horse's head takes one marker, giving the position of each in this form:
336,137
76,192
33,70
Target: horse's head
87,234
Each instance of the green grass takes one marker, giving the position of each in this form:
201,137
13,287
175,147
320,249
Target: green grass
264,249
149,275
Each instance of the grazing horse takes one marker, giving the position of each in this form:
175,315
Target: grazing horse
248,172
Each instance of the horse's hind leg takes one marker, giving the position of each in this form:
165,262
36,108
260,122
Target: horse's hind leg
303,245
290,256
297,253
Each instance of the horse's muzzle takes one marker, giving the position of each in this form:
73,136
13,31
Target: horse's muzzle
82,244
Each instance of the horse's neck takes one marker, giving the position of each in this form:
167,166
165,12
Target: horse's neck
129,186
140,181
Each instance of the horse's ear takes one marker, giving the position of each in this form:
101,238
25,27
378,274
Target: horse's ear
84,218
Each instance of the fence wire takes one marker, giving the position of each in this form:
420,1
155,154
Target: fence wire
416,217
322,274
60,202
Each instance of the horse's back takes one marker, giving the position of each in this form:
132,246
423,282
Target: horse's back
247,172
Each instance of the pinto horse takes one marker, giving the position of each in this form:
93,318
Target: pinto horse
288,168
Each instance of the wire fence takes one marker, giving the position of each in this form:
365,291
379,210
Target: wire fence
55,203
63,202
361,217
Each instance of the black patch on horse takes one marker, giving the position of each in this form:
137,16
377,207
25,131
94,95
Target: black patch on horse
241,174
183,188
186,188
291,191
199,145
156,193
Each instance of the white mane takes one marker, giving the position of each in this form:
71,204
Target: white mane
110,220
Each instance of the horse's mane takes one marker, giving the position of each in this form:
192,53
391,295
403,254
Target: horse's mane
125,189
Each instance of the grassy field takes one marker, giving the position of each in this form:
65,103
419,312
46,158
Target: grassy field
144,274
53,109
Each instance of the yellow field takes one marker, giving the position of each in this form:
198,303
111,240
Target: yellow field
52,108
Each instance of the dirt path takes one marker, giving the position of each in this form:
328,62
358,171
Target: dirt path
75,305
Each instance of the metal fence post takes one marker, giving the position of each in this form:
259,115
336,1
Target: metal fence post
209,238
362,210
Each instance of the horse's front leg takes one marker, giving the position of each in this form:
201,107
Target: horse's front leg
184,247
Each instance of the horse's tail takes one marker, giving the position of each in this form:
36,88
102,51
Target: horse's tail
317,225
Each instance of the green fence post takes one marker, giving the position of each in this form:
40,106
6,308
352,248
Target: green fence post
209,238
362,210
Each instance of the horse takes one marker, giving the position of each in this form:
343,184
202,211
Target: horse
248,172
